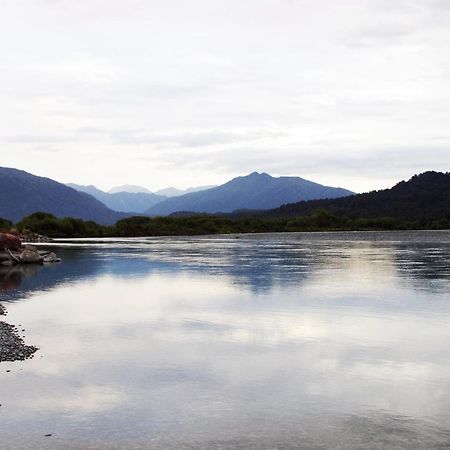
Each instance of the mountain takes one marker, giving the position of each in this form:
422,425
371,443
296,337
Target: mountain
130,202
254,191
423,198
91,189
174,192
22,193
133,189
170,192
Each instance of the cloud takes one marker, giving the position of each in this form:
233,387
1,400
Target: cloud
37,139
263,84
192,139
379,34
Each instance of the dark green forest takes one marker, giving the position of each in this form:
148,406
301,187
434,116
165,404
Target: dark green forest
423,200
202,224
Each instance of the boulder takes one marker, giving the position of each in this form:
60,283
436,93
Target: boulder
51,258
30,257
10,241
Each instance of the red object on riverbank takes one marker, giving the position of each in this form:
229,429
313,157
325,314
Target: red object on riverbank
10,241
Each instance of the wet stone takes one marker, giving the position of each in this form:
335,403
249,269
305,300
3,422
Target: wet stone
12,346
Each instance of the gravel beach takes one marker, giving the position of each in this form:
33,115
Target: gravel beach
12,347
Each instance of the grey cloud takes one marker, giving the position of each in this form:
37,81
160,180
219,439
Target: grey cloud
284,86
393,162
132,93
380,34
402,6
187,139
443,5
37,139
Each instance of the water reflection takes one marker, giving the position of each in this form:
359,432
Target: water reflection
286,341
11,277
255,262
259,263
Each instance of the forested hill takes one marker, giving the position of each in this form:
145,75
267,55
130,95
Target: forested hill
423,198
22,193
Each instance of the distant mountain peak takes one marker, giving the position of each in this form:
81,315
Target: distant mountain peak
131,188
253,191
174,192
258,175
122,201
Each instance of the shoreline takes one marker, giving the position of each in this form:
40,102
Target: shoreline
12,346
57,239
61,240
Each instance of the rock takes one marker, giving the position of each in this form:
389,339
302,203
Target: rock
12,347
10,241
12,252
34,237
30,257
51,258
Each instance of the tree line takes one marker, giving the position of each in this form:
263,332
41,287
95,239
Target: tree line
204,224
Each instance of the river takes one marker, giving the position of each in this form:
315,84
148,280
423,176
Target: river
296,340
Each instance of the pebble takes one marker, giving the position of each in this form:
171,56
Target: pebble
12,346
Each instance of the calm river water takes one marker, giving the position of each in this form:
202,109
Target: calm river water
316,341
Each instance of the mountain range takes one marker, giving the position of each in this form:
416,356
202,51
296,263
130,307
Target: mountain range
131,198
422,201
122,201
174,192
132,188
166,192
22,193
254,191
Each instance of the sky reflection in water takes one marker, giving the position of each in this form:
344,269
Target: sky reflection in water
288,341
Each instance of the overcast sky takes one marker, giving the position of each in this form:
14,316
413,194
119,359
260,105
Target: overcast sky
351,93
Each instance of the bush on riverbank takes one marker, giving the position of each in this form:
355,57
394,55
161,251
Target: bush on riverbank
49,225
5,224
202,224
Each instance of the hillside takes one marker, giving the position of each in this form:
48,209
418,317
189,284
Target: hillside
130,202
22,193
424,197
254,191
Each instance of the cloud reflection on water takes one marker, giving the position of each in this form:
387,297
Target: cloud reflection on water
177,346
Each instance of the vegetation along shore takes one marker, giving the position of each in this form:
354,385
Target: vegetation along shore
203,224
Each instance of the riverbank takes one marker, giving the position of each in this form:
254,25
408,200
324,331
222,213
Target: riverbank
48,226
12,346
